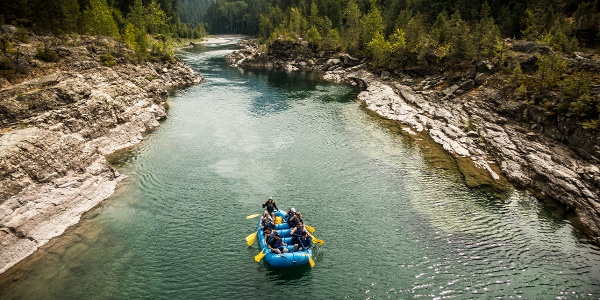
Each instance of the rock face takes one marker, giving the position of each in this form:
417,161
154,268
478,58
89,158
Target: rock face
56,133
472,120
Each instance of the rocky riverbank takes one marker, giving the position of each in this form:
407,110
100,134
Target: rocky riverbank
491,137
59,120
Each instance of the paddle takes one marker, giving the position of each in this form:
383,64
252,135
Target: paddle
252,216
260,256
309,228
316,240
311,262
251,238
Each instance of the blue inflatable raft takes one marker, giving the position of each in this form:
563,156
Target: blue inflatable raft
283,260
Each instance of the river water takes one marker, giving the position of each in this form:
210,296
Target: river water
395,226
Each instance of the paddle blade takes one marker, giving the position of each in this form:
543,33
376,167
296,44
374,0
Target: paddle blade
259,256
311,262
309,228
319,242
252,216
251,238
316,240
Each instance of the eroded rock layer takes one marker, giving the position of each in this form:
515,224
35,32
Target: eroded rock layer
57,130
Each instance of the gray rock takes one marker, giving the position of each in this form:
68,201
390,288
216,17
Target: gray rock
58,130
10,29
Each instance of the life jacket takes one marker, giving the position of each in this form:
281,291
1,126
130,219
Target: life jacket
267,223
306,242
294,222
276,244
299,231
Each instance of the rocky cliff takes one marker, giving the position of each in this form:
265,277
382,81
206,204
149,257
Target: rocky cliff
491,136
59,121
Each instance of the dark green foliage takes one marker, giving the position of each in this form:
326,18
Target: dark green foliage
225,16
550,70
193,12
107,59
46,55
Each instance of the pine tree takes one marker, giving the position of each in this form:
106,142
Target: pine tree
486,34
296,22
399,53
313,36
550,70
332,41
352,17
155,18
460,42
98,20
379,50
371,24
440,31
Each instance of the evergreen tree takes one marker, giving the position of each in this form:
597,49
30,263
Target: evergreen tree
352,17
440,31
460,42
98,20
416,37
379,50
371,24
332,41
155,18
399,52
313,36
136,15
296,22
486,34
550,70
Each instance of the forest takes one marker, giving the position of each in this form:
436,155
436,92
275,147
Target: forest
411,36
142,25
423,37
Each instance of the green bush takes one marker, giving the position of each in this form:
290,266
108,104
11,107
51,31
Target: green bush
46,55
107,59
5,63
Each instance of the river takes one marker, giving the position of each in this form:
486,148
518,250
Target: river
395,225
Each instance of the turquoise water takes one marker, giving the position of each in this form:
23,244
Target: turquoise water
395,227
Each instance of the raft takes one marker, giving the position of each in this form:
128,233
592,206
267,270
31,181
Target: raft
283,260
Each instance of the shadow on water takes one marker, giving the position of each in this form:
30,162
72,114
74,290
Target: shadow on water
292,86
288,274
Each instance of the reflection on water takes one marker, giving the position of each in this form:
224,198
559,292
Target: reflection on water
395,226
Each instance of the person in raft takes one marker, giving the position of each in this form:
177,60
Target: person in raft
271,207
293,218
297,233
266,222
304,242
276,245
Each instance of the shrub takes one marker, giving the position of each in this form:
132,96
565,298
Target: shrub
46,55
107,59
